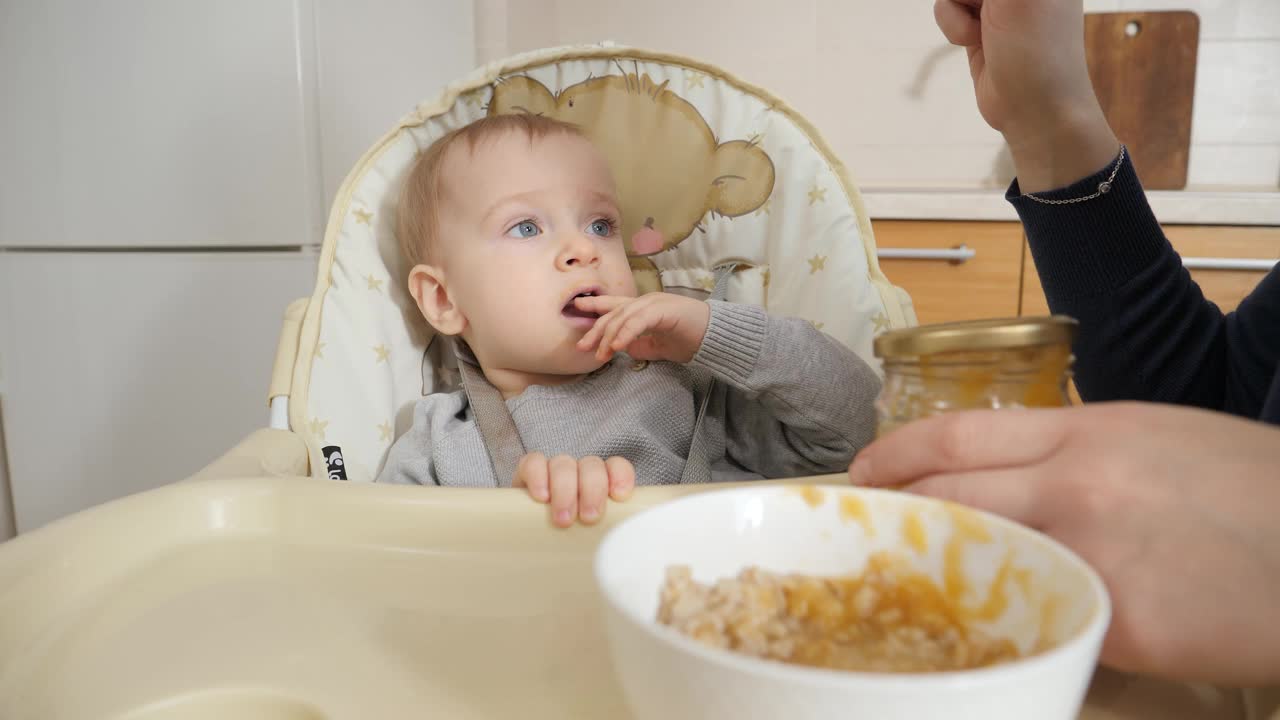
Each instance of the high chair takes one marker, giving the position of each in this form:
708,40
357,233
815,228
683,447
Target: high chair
713,172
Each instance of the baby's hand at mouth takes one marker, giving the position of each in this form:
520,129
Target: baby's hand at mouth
655,326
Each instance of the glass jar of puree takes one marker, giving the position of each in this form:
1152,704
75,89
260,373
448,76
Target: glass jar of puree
985,364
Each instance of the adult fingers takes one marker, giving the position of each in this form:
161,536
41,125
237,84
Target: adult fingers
961,442
959,22
1017,494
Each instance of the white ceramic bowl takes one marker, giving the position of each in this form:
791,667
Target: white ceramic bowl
1053,601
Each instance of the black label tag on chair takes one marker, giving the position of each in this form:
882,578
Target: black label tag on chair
333,458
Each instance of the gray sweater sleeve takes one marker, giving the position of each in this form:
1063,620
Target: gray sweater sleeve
798,402
411,460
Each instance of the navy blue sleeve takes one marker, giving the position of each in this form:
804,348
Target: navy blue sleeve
1146,330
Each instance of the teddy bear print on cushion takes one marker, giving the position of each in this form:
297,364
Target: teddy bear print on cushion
669,167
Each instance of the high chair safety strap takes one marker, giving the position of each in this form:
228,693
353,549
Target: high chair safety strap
498,431
696,469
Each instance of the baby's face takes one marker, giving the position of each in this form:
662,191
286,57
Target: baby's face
526,227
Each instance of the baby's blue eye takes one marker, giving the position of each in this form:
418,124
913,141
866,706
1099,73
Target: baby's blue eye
603,228
526,229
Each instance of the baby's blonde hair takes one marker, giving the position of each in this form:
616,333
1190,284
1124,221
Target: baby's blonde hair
417,213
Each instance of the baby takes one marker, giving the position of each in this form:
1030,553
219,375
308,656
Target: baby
511,226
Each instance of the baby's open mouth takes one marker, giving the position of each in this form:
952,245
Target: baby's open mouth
571,309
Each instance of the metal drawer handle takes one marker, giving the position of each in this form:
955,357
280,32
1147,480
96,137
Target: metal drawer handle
1212,263
957,255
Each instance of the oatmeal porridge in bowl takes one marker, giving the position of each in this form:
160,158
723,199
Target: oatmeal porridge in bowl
825,601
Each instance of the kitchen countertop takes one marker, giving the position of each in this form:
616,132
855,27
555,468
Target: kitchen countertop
1174,207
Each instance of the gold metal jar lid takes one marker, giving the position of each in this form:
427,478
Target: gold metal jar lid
1006,334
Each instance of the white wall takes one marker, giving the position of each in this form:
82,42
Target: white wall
375,61
893,97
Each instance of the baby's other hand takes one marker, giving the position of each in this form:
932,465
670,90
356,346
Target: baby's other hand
655,326
575,489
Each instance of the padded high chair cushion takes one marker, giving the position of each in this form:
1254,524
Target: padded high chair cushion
710,171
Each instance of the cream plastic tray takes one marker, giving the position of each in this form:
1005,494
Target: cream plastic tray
299,599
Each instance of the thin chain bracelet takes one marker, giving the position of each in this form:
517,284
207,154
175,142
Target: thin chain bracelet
1104,187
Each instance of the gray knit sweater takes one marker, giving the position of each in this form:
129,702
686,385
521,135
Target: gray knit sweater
789,401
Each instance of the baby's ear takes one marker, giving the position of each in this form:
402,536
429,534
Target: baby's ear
521,94
430,291
741,178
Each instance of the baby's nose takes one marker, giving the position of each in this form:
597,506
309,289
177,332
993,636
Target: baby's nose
579,252
647,240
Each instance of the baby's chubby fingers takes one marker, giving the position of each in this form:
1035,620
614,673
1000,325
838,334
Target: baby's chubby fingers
630,328
533,475
606,306
632,318
622,478
564,490
601,303
593,489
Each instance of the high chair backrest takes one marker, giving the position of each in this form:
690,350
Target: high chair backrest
710,170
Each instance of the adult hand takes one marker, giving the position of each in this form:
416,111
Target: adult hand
1032,84
1177,510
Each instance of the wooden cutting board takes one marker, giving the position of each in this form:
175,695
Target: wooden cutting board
1143,67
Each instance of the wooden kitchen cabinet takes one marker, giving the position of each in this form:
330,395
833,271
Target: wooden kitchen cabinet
1197,244
1000,279
985,285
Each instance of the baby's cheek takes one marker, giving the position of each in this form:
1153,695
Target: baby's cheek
624,285
505,306
616,276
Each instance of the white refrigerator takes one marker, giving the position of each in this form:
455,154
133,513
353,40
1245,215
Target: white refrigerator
165,173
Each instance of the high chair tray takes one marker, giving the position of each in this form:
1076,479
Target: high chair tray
298,599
